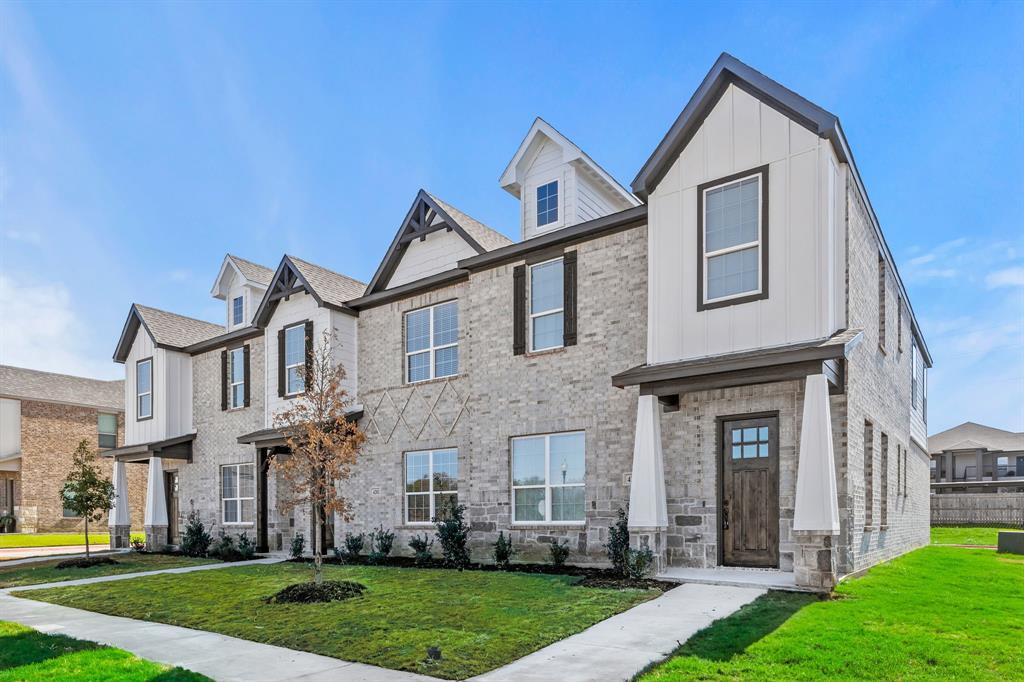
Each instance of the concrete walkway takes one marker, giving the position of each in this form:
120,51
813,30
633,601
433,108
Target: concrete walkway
4,563
617,648
10,554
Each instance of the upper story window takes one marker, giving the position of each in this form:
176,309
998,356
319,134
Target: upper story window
294,358
546,305
547,204
236,369
432,342
144,389
106,425
547,478
237,310
431,479
733,230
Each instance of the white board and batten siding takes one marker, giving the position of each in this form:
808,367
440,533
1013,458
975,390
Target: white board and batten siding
251,297
438,252
806,236
10,427
172,393
299,308
547,165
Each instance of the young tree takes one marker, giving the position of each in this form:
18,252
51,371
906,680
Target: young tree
86,492
323,444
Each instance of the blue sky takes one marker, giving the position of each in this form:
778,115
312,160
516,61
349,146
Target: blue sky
141,142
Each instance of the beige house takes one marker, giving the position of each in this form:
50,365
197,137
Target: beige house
43,417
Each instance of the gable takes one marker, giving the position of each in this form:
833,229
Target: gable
426,217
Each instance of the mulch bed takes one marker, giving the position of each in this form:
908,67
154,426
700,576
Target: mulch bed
312,593
591,577
86,562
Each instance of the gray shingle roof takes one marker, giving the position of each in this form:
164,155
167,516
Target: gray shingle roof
32,384
177,331
487,237
969,436
332,287
254,272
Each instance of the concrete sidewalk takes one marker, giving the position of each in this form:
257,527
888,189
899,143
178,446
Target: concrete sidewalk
617,648
10,555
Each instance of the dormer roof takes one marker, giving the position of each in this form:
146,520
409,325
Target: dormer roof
427,215
168,330
541,131
251,273
293,275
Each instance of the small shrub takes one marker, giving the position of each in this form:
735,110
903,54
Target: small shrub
298,546
618,542
246,547
381,542
86,562
138,545
503,550
453,533
195,541
421,546
7,523
315,593
638,563
353,547
559,552
224,548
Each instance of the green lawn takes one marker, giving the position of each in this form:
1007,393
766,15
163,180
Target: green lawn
966,536
44,572
940,613
14,540
480,620
30,656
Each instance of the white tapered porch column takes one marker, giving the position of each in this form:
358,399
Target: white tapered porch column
119,517
647,507
156,506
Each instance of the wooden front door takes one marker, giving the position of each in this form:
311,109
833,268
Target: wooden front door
171,492
750,492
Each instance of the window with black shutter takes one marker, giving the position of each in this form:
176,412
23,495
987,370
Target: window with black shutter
223,380
519,310
246,373
569,298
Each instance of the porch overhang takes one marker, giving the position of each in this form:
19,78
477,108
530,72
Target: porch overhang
762,366
274,437
179,447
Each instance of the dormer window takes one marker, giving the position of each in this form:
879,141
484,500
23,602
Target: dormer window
547,204
237,310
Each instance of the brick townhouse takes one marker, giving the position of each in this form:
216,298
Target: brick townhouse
725,348
43,417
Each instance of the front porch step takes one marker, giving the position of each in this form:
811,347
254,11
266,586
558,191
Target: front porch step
734,577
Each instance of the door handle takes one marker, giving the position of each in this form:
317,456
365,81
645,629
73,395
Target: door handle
725,515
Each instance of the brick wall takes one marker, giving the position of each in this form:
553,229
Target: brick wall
498,395
878,390
50,433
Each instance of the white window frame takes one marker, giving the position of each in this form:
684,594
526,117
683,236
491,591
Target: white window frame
240,351
547,485
544,313
238,498
301,363
139,394
242,312
708,255
557,222
431,494
430,349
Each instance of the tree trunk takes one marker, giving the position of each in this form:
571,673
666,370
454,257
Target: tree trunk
318,558
87,537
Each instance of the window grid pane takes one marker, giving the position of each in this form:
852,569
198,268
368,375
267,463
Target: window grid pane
431,342
547,203
431,477
236,310
548,474
732,224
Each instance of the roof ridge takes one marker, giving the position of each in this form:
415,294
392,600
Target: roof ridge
60,374
323,267
184,317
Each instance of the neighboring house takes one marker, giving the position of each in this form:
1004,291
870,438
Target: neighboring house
43,417
977,459
726,349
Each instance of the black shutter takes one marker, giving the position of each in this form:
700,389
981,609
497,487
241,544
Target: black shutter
309,353
245,355
519,310
569,298
280,363
224,380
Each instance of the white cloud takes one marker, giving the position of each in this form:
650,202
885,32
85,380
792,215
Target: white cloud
179,275
39,329
1008,277
25,236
